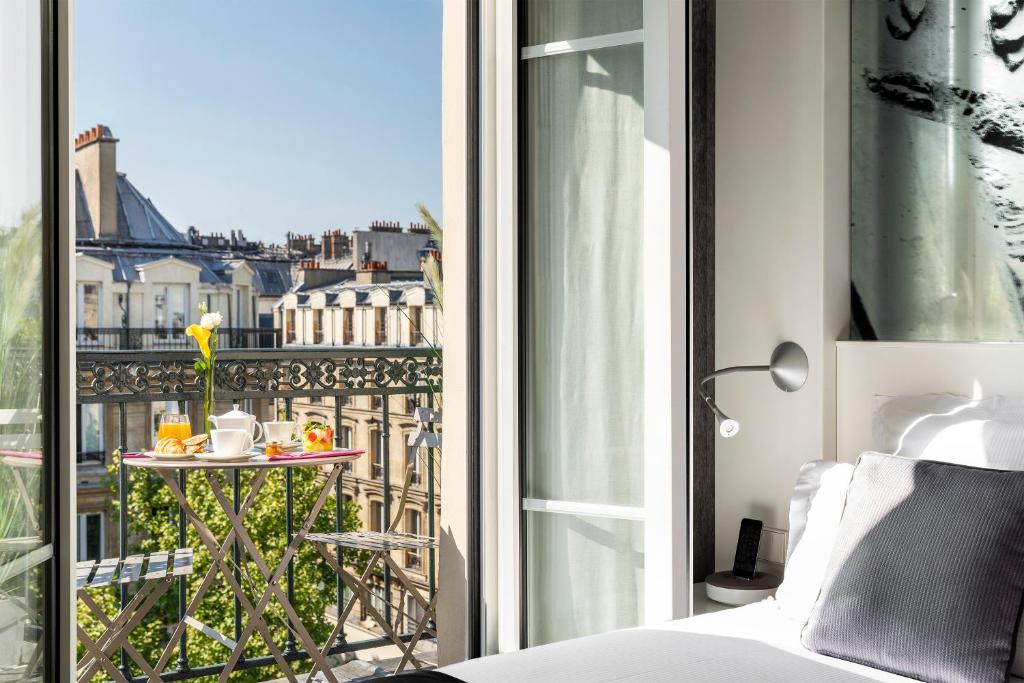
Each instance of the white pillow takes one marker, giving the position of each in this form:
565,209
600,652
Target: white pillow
947,428
814,513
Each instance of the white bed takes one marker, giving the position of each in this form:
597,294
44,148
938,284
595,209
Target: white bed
752,643
761,642
755,643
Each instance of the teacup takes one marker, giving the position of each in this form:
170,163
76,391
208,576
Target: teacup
228,442
280,431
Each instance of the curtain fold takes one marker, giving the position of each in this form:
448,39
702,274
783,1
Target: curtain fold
584,313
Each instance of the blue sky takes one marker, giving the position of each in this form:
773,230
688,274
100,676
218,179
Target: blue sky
268,115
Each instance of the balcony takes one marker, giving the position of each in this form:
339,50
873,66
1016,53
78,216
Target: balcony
157,338
132,384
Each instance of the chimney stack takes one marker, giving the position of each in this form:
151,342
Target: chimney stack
96,160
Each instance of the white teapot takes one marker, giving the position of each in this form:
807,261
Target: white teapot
238,419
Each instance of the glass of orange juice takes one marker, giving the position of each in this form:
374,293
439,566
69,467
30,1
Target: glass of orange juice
174,425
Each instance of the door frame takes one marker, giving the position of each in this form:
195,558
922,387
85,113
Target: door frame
59,294
678,282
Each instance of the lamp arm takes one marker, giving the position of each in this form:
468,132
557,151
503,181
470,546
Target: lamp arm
722,417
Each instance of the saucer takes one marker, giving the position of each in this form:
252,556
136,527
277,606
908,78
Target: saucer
210,456
261,445
168,456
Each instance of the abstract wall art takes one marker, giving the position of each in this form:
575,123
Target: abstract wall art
937,169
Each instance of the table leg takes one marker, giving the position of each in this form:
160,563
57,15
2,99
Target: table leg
256,622
237,522
273,589
211,573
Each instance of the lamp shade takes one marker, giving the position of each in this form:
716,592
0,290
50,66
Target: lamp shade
788,366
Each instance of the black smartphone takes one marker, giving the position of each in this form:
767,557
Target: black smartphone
745,564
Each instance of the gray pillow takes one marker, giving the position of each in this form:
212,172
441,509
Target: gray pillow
927,575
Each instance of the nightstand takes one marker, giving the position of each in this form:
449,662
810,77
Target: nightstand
702,604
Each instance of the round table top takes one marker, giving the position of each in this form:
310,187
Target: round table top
257,462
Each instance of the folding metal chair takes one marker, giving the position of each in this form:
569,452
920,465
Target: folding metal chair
161,570
381,544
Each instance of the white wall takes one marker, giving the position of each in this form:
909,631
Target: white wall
781,242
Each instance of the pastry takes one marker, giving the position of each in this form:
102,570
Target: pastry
197,440
170,445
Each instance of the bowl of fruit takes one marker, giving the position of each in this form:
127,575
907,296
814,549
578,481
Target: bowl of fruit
317,437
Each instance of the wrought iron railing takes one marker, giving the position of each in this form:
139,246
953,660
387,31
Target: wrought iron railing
158,338
125,378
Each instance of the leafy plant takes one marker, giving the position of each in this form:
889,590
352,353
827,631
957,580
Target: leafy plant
432,266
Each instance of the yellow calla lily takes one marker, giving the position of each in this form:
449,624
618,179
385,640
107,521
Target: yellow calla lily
202,337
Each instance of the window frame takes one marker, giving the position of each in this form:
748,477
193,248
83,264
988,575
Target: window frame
414,557
79,460
318,325
289,326
376,458
82,533
667,288
348,326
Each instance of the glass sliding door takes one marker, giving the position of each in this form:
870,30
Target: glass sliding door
582,158
26,542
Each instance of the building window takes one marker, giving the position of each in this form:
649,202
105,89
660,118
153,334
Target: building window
412,459
376,402
88,311
413,610
346,400
415,325
90,536
90,433
412,402
377,598
289,326
318,326
170,310
346,442
413,525
316,400
376,455
380,325
376,520
348,335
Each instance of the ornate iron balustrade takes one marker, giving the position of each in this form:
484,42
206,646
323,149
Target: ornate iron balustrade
124,377
114,376
159,338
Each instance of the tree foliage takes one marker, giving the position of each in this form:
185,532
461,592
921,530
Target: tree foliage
153,526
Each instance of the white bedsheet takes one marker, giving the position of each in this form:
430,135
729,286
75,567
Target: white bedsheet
752,643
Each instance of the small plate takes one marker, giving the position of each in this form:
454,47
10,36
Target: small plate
210,456
168,456
287,446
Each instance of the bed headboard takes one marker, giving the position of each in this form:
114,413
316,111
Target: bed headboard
867,369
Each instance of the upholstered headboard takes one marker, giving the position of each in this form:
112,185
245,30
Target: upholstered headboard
868,369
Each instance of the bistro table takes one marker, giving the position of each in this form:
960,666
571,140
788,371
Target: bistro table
219,550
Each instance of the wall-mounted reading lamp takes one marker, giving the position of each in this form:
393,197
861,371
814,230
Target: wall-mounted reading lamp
788,368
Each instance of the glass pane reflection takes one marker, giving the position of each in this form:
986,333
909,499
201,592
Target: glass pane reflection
23,553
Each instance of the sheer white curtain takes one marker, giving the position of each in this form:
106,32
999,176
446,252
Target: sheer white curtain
583,412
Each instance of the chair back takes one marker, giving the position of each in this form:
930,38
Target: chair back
424,437
20,429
